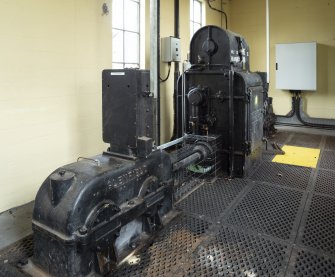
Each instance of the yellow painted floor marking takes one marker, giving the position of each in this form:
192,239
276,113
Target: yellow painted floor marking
300,156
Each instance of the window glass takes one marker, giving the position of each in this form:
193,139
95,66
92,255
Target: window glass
117,14
195,16
125,33
131,55
197,12
118,42
132,22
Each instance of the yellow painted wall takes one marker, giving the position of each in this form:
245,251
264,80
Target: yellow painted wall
51,57
292,21
306,20
214,17
248,20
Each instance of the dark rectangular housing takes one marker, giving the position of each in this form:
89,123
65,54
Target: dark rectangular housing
127,107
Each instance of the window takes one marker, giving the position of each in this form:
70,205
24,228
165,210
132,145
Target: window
126,33
195,16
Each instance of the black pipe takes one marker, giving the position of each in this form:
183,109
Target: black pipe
195,157
199,153
176,18
176,32
292,112
158,74
231,124
176,72
310,124
220,11
296,111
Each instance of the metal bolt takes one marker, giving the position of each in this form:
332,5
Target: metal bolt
83,230
62,172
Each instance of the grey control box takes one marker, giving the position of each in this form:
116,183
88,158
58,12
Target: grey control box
170,49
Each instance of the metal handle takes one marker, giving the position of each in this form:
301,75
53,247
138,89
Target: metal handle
89,159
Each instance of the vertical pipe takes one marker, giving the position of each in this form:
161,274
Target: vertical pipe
176,18
176,73
183,103
267,41
231,124
154,63
177,35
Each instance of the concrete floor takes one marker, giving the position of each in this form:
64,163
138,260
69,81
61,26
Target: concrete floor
15,224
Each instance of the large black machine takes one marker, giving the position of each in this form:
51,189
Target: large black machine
92,214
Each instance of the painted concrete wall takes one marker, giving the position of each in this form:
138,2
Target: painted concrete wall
51,57
292,21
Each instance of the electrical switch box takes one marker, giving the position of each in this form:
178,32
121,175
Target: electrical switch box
296,66
170,50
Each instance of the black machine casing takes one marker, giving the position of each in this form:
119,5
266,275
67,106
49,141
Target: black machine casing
223,98
82,211
90,214
127,111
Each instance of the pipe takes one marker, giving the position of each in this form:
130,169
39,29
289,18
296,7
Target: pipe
220,11
176,19
155,63
183,105
267,13
176,72
300,117
200,152
311,124
195,157
171,143
231,124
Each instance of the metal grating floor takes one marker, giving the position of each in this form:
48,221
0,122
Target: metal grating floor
269,210
234,253
211,199
168,250
278,222
282,174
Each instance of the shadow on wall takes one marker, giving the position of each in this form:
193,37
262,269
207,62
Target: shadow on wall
324,97
89,118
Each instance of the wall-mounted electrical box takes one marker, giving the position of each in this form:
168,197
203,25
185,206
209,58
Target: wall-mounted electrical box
170,50
296,66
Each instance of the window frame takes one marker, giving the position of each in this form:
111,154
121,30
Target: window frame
194,23
124,31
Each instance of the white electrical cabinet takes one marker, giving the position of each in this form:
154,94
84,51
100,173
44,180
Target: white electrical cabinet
170,50
296,66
